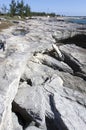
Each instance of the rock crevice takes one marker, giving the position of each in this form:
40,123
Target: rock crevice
43,78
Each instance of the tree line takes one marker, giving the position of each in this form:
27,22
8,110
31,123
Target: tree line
16,8
19,8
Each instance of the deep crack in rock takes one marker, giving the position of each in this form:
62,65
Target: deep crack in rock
29,82
23,117
79,40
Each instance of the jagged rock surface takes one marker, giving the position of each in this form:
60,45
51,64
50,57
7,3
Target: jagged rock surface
55,64
64,95
76,58
33,102
47,93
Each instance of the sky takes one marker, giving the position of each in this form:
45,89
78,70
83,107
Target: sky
62,7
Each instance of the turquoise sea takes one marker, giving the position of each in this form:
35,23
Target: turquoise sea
78,21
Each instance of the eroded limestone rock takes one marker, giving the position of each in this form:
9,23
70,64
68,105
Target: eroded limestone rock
47,97
16,125
32,128
76,58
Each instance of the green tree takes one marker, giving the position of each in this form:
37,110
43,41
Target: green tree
13,8
27,10
20,8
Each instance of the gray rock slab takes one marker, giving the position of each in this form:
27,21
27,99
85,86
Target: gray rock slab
11,69
16,125
33,102
73,82
75,55
39,74
66,110
32,128
58,86
50,96
55,64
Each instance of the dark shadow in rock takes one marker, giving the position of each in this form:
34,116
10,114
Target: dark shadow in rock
51,53
46,80
50,124
79,40
75,65
21,80
72,63
20,32
56,123
80,74
23,117
29,82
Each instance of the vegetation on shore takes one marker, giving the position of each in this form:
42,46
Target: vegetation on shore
17,10
21,9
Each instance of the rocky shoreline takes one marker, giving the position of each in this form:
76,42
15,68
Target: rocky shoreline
43,75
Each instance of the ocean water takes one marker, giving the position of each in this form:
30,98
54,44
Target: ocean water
78,21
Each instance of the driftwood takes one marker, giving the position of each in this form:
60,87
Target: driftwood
60,56
53,63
